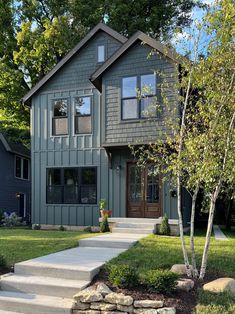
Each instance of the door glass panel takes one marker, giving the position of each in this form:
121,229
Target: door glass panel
135,191
152,186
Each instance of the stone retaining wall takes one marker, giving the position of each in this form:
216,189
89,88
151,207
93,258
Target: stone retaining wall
99,299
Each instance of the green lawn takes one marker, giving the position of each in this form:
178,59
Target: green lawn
156,252
21,244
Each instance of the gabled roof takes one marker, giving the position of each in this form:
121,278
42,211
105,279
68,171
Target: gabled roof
138,36
14,148
97,28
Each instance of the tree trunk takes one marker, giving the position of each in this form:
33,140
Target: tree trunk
192,221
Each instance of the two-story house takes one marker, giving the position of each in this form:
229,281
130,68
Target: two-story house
15,182
85,113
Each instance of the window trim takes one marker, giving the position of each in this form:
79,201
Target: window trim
138,83
22,168
53,118
78,185
75,115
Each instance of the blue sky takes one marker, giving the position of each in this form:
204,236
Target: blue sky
186,41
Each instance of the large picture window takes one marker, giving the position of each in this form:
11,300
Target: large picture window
139,97
72,185
21,168
82,115
60,117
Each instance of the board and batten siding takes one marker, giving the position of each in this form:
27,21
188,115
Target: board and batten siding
135,62
71,150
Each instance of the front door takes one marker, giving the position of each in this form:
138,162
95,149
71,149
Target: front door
143,192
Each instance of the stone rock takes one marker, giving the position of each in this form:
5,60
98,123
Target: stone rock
185,284
145,311
85,312
119,298
166,310
220,285
103,289
81,306
115,312
88,296
125,308
148,304
103,306
179,269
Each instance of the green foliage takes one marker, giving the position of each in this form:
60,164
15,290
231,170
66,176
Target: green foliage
214,309
1,216
62,228
103,203
223,298
2,260
11,220
88,229
160,281
104,225
164,227
123,276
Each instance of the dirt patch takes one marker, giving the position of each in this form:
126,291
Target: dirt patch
184,302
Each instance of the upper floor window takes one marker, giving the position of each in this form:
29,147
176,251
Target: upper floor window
83,115
72,185
21,168
60,117
101,53
138,99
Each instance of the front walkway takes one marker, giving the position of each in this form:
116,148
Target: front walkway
47,284
219,235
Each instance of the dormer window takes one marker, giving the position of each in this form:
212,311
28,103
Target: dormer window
101,53
60,117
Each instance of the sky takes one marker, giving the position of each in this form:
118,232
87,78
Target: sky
185,41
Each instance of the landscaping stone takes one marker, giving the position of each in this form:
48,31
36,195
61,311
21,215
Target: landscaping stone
185,284
103,289
148,304
115,312
167,310
88,296
125,308
85,312
179,269
119,298
220,285
81,306
103,306
145,311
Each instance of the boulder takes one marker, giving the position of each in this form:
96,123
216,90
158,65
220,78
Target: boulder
81,306
185,284
220,285
148,304
103,289
166,310
145,311
85,312
88,296
119,298
103,306
125,308
179,269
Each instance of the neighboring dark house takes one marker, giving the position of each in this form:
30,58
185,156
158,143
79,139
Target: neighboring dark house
85,113
15,183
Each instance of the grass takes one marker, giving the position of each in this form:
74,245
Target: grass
162,252
20,244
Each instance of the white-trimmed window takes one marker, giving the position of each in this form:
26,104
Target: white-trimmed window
82,114
21,168
101,53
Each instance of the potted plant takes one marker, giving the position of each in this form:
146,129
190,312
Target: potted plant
103,208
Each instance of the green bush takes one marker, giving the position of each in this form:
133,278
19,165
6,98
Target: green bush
160,281
11,220
62,228
1,215
214,309
104,225
36,227
164,227
88,229
2,260
123,276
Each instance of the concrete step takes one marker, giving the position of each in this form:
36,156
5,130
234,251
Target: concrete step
135,220
42,285
29,303
135,225
132,230
7,312
81,263
112,240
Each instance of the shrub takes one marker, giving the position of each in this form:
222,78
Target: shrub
88,229
214,309
36,227
164,227
123,276
104,226
62,228
160,281
11,220
102,203
1,215
2,260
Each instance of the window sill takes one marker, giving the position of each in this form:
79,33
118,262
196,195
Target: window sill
139,120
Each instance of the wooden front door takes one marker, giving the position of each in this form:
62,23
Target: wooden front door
143,192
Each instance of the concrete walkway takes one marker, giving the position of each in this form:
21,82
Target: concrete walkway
219,235
46,285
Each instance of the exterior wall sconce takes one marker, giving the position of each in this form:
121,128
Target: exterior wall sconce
17,195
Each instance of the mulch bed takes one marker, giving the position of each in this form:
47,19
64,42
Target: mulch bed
184,302
5,270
